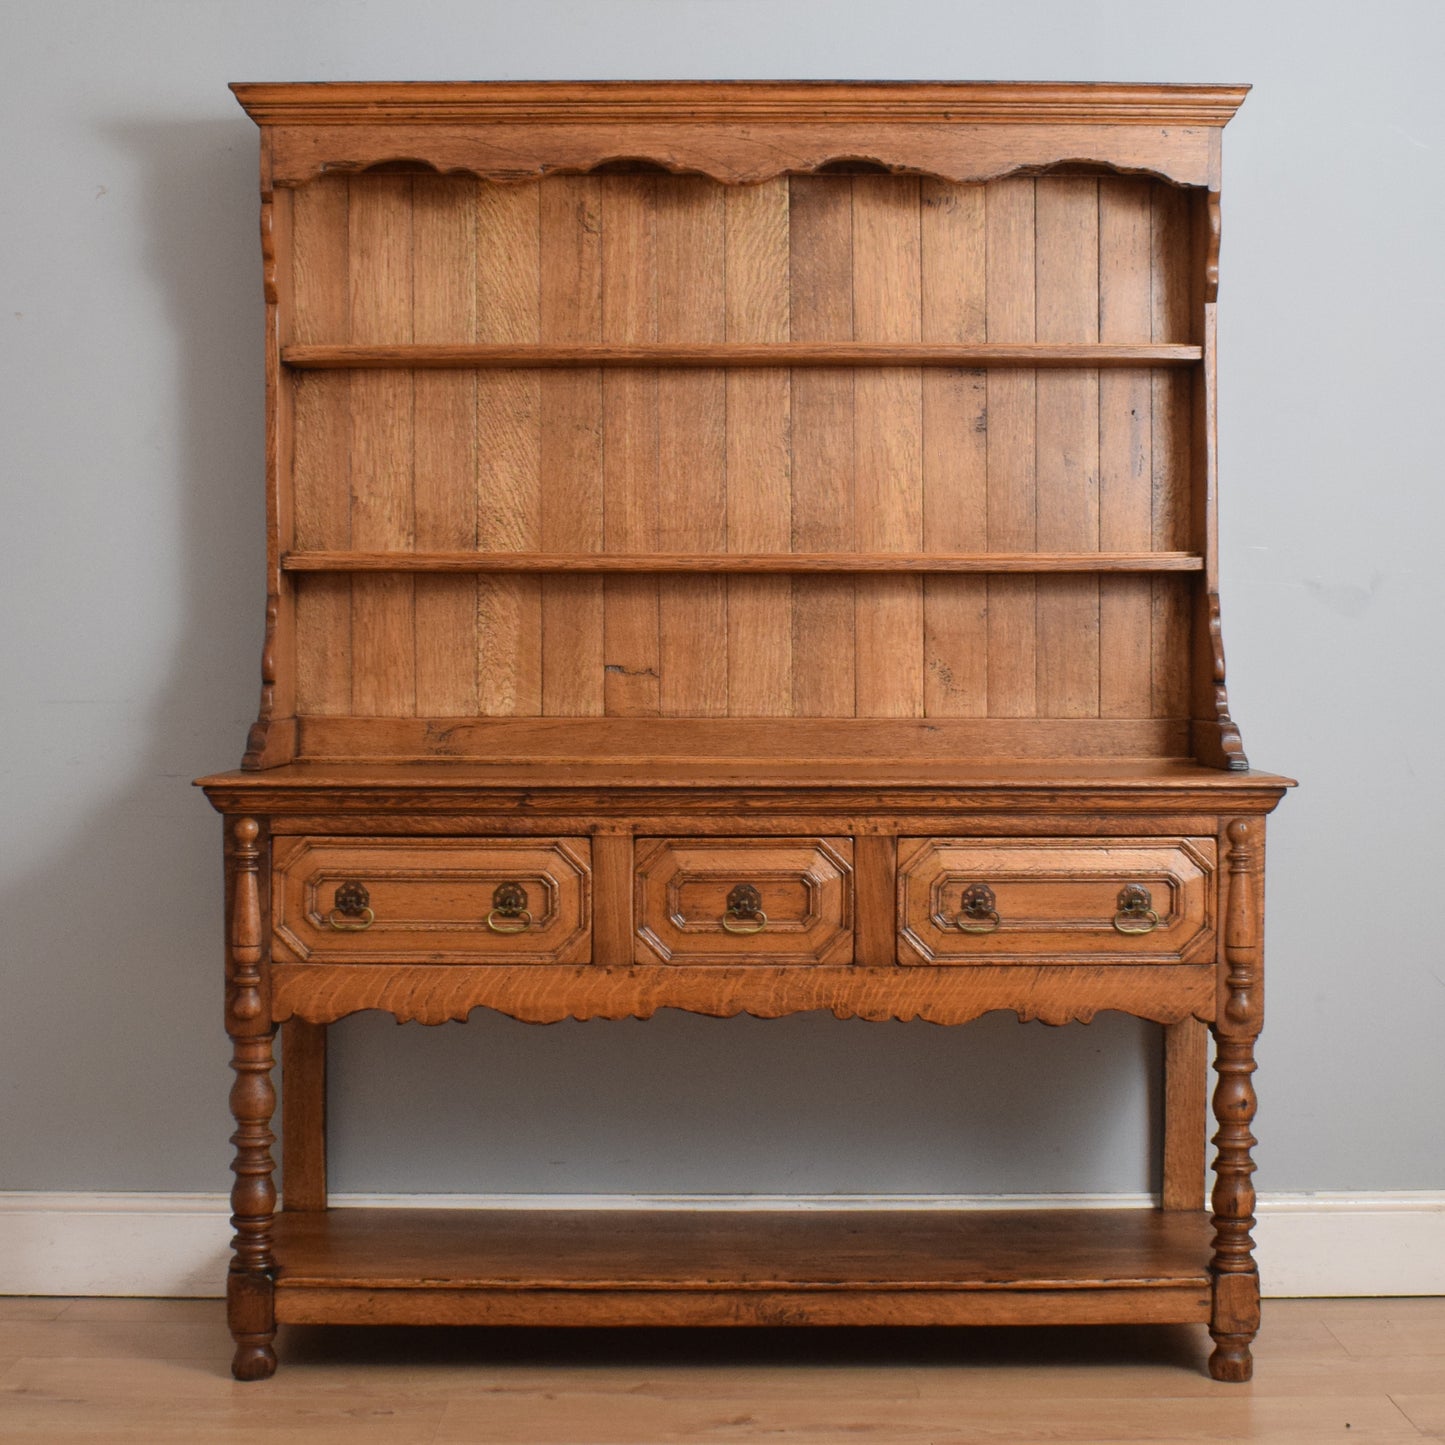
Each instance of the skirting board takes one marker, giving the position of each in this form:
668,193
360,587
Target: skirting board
175,1245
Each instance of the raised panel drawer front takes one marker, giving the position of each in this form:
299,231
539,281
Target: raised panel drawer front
1045,900
744,900
441,900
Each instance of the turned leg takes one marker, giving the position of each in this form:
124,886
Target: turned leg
249,1289
1234,1321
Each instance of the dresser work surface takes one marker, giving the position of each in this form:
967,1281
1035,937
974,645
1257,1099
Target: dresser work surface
742,548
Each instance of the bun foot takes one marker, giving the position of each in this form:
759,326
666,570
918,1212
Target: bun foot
1231,1360
254,1359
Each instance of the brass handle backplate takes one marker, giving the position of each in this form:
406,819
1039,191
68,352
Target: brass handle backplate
979,911
351,908
744,911
509,909
1136,910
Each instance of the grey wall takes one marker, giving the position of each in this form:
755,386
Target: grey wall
130,457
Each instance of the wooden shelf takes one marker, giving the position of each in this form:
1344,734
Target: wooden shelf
618,1267
734,354
742,562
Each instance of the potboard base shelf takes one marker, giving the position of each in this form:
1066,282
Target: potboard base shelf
651,1267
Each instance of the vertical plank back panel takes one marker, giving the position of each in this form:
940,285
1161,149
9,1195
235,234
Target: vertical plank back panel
955,452
444,443
1172,403
688,460
321,452
758,456
1009,271
692,447
383,519
631,659
1067,443
888,440
1125,448
823,520
508,492
571,446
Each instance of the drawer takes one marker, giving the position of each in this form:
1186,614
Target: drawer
1046,900
744,900
434,900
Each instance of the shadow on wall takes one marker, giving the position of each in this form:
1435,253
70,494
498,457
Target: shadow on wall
138,1088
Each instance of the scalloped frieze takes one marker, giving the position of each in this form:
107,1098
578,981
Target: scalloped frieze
747,154
1053,995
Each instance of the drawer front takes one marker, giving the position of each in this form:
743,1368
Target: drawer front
437,900
1043,900
744,900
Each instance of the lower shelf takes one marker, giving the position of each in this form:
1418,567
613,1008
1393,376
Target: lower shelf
650,1267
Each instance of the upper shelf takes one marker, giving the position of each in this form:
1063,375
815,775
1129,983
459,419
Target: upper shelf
736,354
740,562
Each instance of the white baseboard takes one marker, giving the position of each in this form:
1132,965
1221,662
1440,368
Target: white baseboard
175,1245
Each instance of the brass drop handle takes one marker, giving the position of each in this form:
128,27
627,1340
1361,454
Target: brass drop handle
979,912
351,909
1136,910
744,911
509,909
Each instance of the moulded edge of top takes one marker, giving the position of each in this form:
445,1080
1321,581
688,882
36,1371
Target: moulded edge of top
560,102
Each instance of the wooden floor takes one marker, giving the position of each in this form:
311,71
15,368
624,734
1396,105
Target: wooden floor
156,1371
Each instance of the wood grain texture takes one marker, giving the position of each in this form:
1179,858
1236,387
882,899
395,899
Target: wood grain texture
1171,447
321,424
272,738
1186,1066
571,448
253,1102
435,994
888,443
435,902
840,352
1055,900
741,741
1125,449
823,645
874,866
1012,507
862,771
1234,1321
1066,238
955,451
383,512
808,1251
630,480
774,562
750,132
685,594
508,498
303,1115
444,443
129,1367
692,448
684,910
759,460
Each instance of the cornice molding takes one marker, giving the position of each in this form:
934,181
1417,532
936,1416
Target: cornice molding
737,102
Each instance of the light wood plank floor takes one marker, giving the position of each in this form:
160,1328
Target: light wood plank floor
155,1371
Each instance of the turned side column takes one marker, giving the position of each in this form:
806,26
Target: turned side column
249,1291
1234,1320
